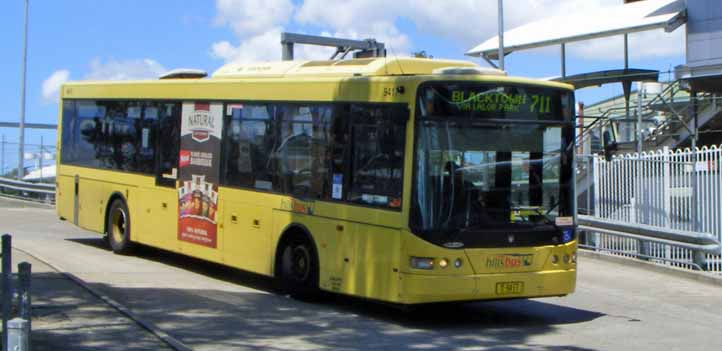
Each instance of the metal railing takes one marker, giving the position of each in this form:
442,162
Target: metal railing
41,192
663,204
36,155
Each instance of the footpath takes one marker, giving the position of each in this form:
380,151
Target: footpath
65,316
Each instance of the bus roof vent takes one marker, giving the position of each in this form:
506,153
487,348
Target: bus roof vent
470,71
181,73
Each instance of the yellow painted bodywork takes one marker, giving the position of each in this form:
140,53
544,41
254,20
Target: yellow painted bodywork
362,251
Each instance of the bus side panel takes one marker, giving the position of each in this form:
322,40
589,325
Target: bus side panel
247,237
378,251
65,197
92,199
158,218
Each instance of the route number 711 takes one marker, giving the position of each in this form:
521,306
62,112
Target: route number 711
540,104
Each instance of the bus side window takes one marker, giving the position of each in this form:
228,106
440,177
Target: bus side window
167,140
338,155
378,135
301,150
249,141
67,141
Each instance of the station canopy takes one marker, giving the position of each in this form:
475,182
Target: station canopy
585,25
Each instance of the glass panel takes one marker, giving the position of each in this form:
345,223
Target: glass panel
470,175
249,142
110,134
67,141
168,132
89,134
301,152
378,135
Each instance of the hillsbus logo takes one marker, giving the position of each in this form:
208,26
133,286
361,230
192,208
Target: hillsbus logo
509,261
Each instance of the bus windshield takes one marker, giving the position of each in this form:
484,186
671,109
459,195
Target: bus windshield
491,158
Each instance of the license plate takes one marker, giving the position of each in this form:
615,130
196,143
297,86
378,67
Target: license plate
509,288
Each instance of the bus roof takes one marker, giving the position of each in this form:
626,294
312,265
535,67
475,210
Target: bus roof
383,66
281,72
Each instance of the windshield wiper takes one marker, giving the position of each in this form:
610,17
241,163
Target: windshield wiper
547,219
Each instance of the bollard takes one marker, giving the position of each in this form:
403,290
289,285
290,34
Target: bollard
24,298
7,293
18,335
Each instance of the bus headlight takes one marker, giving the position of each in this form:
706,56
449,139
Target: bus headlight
566,259
443,263
574,257
422,262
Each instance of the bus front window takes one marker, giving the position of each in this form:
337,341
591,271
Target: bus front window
482,169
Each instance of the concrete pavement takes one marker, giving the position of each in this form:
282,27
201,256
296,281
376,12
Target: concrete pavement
210,307
67,317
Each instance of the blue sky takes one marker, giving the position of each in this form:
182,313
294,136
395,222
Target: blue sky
84,39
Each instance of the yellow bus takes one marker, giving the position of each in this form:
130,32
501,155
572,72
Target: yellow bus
395,179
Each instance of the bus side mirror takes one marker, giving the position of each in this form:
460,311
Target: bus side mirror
610,146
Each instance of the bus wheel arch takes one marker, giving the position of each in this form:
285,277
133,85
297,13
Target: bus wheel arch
296,262
118,225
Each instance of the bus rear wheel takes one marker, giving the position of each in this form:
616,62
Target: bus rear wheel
298,268
118,228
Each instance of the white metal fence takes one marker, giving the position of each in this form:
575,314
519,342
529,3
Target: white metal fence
677,189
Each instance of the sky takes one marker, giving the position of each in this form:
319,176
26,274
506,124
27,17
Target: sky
74,40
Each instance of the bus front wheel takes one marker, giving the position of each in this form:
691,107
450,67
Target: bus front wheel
298,267
118,228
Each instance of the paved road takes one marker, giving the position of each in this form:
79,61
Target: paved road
68,317
209,307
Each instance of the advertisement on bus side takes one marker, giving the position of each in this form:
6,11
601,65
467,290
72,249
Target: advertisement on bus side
201,133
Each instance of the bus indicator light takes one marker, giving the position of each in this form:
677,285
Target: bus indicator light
422,263
457,263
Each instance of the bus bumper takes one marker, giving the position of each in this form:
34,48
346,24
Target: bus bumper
419,288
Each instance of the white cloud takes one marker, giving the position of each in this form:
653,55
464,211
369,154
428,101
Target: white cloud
257,25
124,69
655,43
262,47
359,19
253,17
51,85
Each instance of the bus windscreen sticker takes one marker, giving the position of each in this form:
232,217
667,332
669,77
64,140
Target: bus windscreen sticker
201,133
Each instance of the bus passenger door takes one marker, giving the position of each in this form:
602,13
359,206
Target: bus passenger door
159,205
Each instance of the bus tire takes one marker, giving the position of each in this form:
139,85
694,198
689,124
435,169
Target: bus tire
118,228
298,267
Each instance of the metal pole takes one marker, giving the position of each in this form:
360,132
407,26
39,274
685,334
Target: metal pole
639,118
24,280
40,161
698,257
2,156
501,35
626,51
626,101
564,61
7,288
287,53
21,139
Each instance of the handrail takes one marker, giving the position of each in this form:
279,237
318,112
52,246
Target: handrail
27,186
704,242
